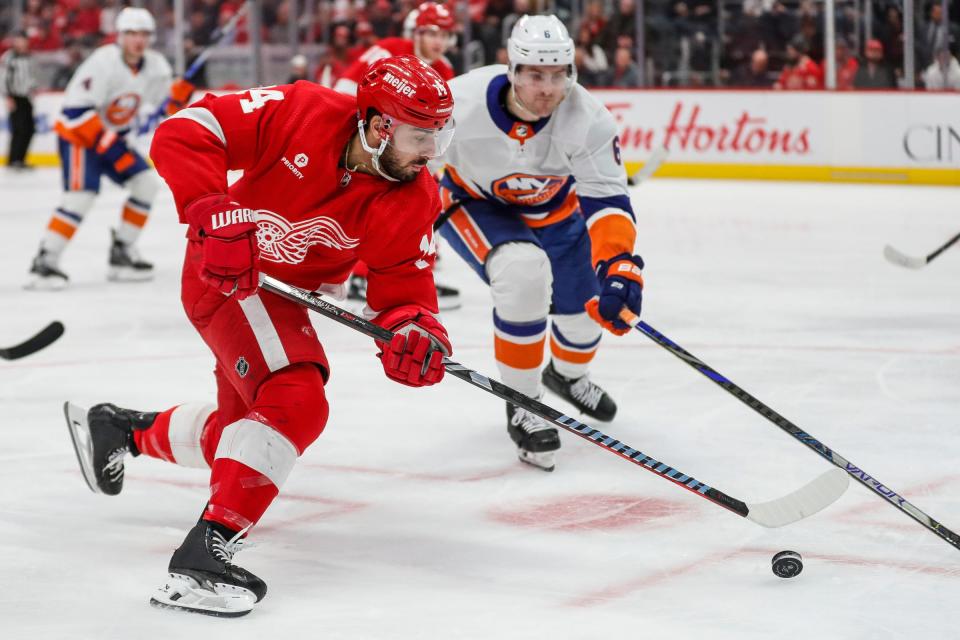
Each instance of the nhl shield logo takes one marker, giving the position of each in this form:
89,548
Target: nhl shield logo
242,366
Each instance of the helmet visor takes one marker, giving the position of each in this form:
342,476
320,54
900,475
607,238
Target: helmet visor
432,143
550,78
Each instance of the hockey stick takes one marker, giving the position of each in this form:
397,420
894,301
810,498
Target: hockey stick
219,37
858,474
445,214
656,159
45,338
806,501
910,262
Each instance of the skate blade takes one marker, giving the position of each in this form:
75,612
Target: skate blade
125,274
545,460
39,283
82,443
183,593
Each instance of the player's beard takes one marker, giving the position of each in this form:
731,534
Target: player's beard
391,164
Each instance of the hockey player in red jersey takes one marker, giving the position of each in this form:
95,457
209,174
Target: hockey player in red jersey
328,179
430,41
433,26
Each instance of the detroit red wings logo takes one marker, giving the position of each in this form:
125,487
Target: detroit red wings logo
288,242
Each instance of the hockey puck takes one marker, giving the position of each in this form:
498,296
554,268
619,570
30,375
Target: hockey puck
787,564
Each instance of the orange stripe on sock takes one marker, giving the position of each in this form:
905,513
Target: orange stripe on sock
573,357
470,235
519,356
65,229
134,217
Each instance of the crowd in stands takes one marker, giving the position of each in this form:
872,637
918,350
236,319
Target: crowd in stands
753,43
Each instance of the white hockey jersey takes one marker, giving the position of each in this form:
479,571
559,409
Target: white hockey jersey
544,169
104,93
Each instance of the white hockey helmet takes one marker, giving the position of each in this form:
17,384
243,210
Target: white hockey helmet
135,19
539,40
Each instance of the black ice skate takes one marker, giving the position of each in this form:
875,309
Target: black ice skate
448,298
126,265
45,274
102,437
581,393
202,578
536,439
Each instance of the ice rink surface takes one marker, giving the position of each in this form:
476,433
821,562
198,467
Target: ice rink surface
411,517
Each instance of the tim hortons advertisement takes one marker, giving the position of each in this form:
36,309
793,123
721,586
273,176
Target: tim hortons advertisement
888,137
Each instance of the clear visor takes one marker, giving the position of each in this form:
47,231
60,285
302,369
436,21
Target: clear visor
411,139
553,78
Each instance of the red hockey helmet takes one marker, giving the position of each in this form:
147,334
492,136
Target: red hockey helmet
406,89
415,105
431,14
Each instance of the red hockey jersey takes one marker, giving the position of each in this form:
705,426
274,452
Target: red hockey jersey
313,223
384,49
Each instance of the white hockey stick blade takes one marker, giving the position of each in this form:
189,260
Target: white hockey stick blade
902,259
814,496
650,167
82,444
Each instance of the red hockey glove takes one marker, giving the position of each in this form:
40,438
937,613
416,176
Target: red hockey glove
231,257
621,285
415,355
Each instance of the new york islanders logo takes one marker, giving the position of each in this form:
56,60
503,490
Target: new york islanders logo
525,189
288,242
122,109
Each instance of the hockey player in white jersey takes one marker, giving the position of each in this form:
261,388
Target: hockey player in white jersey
545,219
99,105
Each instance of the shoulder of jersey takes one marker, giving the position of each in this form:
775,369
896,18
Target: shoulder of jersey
157,62
396,46
306,90
581,104
104,54
481,74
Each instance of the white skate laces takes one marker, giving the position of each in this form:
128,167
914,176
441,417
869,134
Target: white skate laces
586,392
114,466
529,422
224,549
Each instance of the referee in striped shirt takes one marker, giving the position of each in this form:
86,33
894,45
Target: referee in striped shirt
17,84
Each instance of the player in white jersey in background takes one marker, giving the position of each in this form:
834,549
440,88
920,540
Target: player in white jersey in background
545,219
99,105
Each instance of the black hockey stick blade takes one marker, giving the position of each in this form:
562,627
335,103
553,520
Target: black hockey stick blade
821,449
806,501
911,262
45,338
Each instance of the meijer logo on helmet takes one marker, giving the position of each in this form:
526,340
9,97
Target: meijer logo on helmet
401,85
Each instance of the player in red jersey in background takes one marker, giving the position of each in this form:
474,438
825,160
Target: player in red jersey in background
328,179
433,26
430,41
